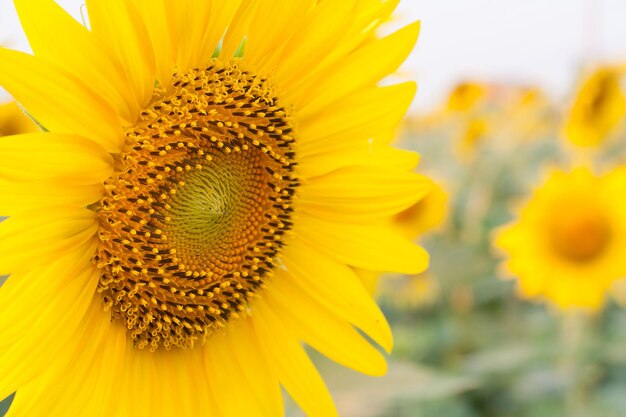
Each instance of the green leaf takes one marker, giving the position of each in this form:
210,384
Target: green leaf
242,48
218,49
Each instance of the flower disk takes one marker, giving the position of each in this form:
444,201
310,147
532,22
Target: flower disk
196,213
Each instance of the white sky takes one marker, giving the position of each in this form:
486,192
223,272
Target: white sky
543,42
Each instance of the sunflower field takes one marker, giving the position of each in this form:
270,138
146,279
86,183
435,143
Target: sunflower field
235,209
521,311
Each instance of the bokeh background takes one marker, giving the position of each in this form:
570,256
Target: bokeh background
497,81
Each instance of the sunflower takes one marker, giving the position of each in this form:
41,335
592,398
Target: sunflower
567,245
598,109
466,96
424,216
209,174
13,121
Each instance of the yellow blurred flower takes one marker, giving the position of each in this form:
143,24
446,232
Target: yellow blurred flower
410,292
598,108
13,121
466,96
568,244
529,115
424,216
472,135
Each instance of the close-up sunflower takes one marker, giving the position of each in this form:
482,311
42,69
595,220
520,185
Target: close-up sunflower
567,245
208,175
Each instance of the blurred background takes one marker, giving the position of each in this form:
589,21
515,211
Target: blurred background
509,92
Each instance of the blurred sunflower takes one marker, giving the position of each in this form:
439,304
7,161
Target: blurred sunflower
466,96
568,243
424,216
13,121
529,115
473,133
211,172
598,109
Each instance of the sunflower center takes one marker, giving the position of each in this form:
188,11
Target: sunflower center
580,234
197,211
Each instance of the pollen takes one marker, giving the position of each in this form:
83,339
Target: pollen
199,207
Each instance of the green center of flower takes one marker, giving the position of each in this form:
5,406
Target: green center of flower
196,214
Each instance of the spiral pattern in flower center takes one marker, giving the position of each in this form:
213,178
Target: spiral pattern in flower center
196,214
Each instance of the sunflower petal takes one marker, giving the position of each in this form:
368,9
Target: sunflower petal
241,345
323,26
38,237
49,27
291,364
118,23
53,157
264,24
363,68
362,116
49,334
156,15
364,246
64,105
336,287
94,360
228,381
199,29
323,331
362,194
366,154
18,197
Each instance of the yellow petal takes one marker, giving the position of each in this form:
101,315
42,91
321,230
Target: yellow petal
362,116
228,381
323,26
291,364
156,16
22,301
365,154
325,332
363,68
139,395
59,100
38,237
56,37
336,287
362,194
52,157
25,357
275,21
18,197
86,381
198,29
361,26
365,246
117,23
241,343
264,24
181,375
